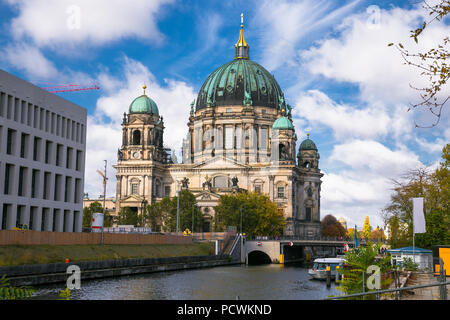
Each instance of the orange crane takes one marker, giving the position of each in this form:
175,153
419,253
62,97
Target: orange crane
70,88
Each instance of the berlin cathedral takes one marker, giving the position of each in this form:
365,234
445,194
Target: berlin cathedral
240,136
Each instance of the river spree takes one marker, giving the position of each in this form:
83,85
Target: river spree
263,282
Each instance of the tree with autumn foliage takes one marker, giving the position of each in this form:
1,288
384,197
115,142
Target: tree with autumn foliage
367,229
434,187
260,216
331,227
377,234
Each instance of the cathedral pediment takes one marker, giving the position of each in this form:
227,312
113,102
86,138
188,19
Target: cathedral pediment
133,198
207,195
136,120
220,163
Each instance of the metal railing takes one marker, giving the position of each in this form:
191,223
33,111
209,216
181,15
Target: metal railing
141,230
316,238
443,293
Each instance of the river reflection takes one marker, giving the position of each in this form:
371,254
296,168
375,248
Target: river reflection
262,282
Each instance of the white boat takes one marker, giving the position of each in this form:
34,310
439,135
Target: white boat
318,270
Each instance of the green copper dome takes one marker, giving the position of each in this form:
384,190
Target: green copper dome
308,144
143,104
282,123
241,82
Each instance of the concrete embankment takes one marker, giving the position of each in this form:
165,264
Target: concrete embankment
40,274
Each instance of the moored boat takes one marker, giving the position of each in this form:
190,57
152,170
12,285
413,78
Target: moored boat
319,268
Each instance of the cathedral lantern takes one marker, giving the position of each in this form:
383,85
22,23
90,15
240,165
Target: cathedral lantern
283,141
142,131
308,155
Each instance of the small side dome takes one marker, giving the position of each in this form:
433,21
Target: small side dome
143,104
307,144
282,123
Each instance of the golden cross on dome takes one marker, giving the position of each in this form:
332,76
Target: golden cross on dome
144,87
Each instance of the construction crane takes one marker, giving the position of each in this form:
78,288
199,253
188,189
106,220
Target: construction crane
70,88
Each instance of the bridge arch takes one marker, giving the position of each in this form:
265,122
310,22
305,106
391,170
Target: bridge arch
258,257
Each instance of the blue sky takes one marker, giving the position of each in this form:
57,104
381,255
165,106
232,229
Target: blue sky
348,89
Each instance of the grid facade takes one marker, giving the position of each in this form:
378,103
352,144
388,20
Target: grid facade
42,158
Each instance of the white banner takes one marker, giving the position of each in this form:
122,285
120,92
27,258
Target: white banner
418,216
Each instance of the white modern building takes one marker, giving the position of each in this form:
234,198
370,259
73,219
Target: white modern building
422,257
42,158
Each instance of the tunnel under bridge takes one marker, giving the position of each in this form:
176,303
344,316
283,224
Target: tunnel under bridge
289,251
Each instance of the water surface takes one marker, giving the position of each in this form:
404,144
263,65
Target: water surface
262,282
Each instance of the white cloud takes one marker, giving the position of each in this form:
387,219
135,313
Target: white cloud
347,121
373,157
433,146
69,22
29,59
38,68
283,24
363,188
361,54
102,142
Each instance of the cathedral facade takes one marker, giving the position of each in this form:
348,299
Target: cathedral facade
240,136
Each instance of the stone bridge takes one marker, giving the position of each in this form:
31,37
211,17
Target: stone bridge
290,250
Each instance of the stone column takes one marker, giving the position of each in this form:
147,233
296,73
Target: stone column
59,220
2,169
68,221
11,216
150,189
271,186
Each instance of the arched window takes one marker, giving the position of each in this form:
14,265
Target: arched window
134,184
280,192
307,164
135,188
157,190
258,185
136,137
283,152
308,214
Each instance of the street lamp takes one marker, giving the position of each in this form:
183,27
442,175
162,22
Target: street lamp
144,204
178,207
104,202
240,209
192,230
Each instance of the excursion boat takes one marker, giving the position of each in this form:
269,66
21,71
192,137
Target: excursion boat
318,270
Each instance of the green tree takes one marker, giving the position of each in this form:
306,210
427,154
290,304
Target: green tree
260,215
163,215
189,213
398,232
331,227
434,187
127,217
89,211
356,263
154,216
367,229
